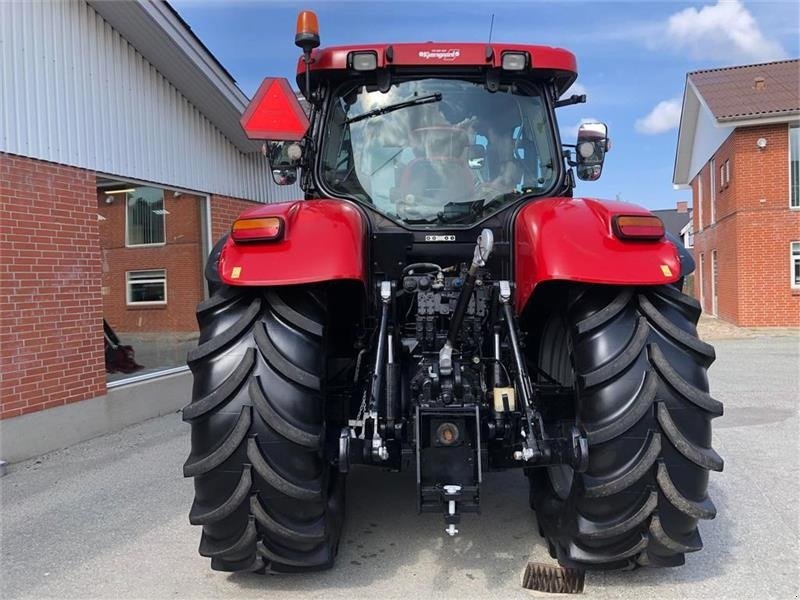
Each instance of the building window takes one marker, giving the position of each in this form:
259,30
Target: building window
702,286
794,166
714,282
795,264
146,287
713,189
141,260
700,201
724,175
145,217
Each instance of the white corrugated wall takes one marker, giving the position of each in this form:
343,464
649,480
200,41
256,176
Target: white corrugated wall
73,91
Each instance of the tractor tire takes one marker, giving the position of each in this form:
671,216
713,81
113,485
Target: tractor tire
642,397
266,495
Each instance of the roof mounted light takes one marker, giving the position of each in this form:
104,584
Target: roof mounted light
307,33
363,61
514,61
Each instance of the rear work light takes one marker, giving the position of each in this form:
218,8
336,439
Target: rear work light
260,229
638,227
363,61
515,61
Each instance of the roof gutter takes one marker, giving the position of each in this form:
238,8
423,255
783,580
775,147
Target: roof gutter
750,120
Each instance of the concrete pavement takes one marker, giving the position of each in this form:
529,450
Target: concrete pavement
108,518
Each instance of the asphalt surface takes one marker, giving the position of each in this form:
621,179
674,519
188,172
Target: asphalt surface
108,518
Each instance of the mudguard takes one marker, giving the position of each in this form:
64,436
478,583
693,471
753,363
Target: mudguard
571,239
322,240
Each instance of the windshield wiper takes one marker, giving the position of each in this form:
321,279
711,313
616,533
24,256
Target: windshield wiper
437,97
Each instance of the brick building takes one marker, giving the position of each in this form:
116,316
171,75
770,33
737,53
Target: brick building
739,152
121,161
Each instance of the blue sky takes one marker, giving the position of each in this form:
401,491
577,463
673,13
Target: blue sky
632,56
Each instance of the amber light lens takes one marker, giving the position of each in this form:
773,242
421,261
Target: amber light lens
638,227
258,229
307,23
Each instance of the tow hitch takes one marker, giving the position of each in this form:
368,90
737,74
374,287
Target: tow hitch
448,450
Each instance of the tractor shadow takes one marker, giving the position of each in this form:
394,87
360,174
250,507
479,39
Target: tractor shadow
388,548
385,538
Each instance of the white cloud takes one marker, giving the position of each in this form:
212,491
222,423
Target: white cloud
722,31
569,133
665,115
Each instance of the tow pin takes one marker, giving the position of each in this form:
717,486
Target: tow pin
451,490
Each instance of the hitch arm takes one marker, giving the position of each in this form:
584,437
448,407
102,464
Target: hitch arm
531,449
379,450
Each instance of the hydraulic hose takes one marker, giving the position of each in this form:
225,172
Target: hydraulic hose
483,248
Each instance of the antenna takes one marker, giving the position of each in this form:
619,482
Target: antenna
491,28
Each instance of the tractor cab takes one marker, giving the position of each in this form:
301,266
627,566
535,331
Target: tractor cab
427,135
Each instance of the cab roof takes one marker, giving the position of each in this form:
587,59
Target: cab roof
444,55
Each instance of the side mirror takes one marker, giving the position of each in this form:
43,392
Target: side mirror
590,151
284,160
476,156
284,176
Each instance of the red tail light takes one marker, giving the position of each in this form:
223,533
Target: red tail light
258,229
638,227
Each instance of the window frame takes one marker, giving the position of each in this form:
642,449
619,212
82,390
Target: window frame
714,282
131,303
727,172
794,258
713,189
700,201
795,126
701,272
163,217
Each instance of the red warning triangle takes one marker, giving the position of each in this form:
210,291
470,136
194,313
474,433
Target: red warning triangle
274,113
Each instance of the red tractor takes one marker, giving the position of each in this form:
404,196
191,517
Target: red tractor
440,301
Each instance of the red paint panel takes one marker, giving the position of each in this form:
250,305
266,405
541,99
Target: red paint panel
274,113
571,239
442,54
322,240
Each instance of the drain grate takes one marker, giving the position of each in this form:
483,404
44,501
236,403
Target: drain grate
553,579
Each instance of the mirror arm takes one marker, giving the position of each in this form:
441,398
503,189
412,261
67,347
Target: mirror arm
574,99
571,178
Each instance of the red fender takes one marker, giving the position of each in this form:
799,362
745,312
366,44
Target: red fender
571,239
322,240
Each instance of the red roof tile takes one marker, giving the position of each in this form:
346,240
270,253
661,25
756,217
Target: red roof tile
768,89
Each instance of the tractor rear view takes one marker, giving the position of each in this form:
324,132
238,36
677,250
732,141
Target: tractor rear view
439,301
